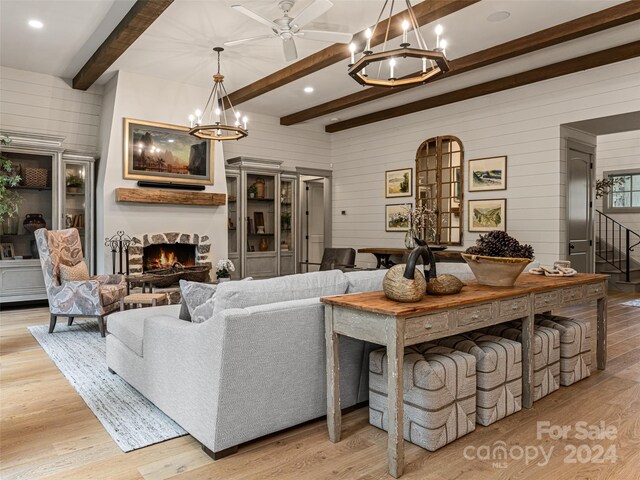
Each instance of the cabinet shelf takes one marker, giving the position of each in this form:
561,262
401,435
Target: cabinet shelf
24,187
261,199
261,234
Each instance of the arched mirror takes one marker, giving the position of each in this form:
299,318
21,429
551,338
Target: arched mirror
439,177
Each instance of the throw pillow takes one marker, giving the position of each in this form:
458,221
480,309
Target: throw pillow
74,273
193,295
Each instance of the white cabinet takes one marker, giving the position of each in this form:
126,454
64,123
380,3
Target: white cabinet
265,211
65,200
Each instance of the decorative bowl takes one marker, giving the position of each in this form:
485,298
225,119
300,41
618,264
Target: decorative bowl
496,271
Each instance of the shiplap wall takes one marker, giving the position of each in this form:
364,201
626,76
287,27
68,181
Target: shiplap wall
40,103
522,123
619,151
299,146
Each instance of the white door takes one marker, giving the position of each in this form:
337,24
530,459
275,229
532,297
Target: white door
314,223
579,210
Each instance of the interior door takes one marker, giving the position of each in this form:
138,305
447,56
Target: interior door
579,210
314,235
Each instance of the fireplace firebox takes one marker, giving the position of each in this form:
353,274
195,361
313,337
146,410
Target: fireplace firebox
166,255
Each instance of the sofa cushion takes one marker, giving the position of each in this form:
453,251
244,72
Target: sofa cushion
193,295
279,289
365,281
460,270
128,326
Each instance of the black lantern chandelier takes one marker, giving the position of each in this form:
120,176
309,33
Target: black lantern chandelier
370,68
211,123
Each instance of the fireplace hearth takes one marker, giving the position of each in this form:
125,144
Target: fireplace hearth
149,251
166,255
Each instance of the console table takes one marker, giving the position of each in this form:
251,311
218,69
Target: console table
374,318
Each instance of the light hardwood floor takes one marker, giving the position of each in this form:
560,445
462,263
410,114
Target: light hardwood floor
47,431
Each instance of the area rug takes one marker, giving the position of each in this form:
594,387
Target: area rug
80,353
633,303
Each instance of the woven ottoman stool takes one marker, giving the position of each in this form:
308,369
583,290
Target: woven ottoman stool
439,394
498,373
546,354
575,346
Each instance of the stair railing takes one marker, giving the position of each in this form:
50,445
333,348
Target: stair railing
615,243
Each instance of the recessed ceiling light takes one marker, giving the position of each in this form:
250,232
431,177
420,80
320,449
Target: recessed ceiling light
308,89
498,16
35,24
171,140
334,119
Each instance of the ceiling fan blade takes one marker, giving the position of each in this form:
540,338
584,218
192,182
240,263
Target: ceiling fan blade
290,52
243,40
324,36
310,13
254,16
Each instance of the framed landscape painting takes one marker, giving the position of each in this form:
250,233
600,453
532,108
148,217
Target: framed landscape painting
398,183
487,174
166,153
487,215
396,219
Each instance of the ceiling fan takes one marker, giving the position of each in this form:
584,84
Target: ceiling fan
286,27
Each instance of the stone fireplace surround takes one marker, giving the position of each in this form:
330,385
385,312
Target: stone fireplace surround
139,241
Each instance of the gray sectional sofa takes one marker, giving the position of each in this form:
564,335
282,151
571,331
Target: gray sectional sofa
256,367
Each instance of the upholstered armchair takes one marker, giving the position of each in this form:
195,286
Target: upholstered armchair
96,297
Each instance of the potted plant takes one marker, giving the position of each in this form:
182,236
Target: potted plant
75,183
497,259
252,190
224,269
10,199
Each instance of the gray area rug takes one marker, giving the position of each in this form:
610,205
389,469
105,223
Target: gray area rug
80,353
632,303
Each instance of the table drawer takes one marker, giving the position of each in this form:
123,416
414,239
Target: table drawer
571,294
514,308
596,290
471,315
425,324
547,299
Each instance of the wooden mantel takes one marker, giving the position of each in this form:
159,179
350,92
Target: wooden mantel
170,197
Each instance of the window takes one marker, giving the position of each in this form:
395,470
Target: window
625,193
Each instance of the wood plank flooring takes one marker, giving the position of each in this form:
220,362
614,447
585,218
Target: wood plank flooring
47,431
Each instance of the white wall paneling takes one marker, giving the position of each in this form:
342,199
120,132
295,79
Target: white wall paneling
522,123
39,103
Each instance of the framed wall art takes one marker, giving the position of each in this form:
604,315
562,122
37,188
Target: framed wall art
487,215
395,217
166,153
486,174
398,183
6,251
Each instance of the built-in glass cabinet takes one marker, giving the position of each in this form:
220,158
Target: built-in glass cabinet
263,216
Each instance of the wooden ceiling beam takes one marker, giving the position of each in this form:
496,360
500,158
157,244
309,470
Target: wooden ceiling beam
585,62
579,27
426,11
134,23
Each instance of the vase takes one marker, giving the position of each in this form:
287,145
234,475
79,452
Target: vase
410,238
223,279
259,188
34,221
264,245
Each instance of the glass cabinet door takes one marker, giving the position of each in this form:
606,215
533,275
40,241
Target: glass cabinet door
260,221
287,226
232,192
76,206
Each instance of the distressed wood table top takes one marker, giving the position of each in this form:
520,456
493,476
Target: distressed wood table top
473,292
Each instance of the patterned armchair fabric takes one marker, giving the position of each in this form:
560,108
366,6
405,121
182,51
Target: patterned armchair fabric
95,297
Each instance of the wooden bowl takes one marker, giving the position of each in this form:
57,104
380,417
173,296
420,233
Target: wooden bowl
496,271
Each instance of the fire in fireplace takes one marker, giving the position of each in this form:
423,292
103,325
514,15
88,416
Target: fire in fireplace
165,255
